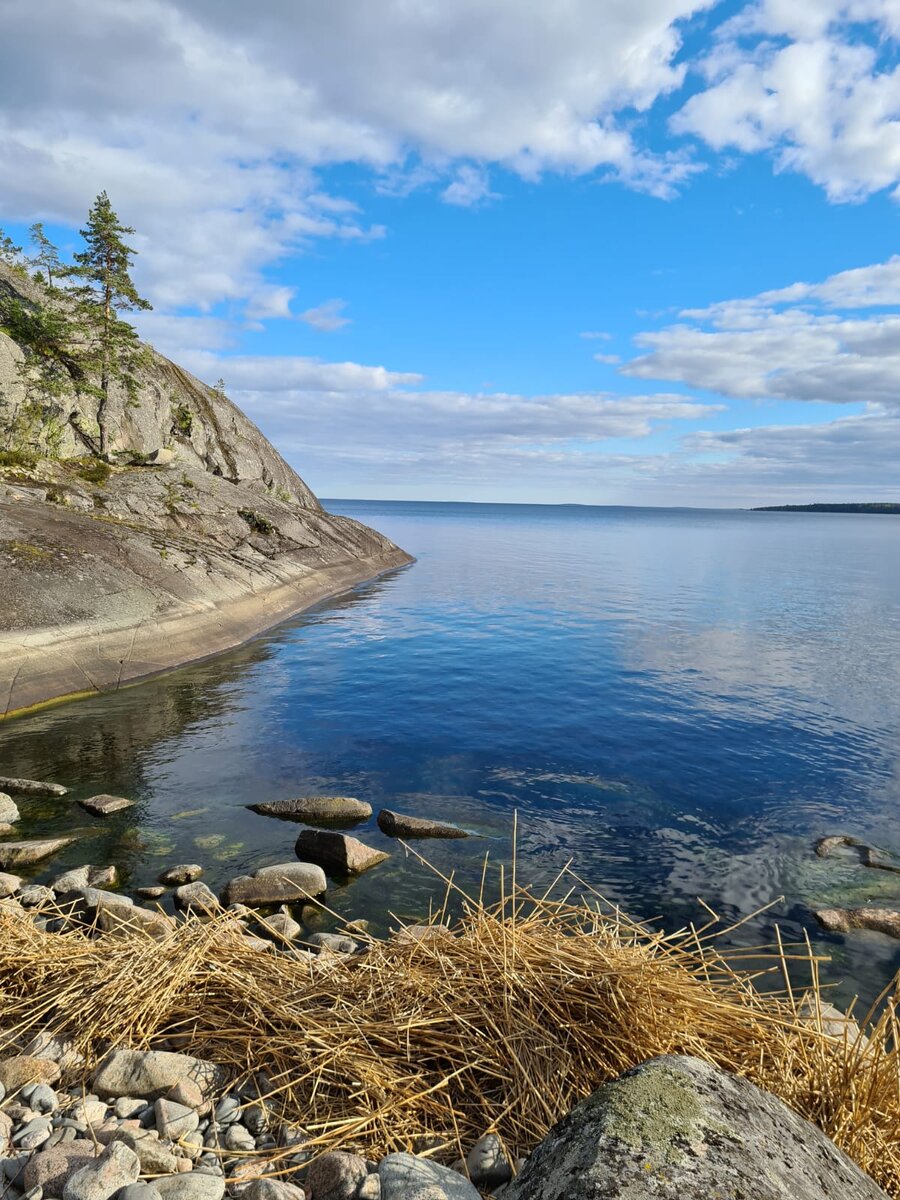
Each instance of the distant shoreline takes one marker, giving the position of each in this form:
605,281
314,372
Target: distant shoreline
831,508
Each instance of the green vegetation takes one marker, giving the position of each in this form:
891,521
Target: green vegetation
73,338
17,458
92,470
257,522
831,508
182,420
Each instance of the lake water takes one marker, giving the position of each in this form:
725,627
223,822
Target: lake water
680,701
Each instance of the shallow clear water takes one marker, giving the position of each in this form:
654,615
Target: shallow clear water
680,701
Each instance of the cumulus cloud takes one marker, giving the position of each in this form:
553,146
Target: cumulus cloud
790,344
207,120
812,82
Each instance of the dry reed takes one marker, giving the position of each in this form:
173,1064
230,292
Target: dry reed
503,1025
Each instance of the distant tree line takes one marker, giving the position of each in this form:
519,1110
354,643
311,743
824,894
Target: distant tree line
75,340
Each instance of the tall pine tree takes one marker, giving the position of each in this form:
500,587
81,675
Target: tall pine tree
107,290
46,256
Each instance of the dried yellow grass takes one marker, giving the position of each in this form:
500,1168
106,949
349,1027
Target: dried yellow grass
529,1005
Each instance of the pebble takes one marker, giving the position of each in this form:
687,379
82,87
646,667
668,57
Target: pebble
274,1189
238,1137
138,1191
89,1112
338,943
150,893
174,1120
256,1118
42,1099
196,1185
487,1163
181,873
370,1188
129,1106
227,1110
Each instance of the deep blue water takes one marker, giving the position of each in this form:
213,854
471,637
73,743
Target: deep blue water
680,701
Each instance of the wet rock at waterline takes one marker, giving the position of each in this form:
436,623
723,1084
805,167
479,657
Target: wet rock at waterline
105,806
398,825
866,855
9,812
80,878
845,920
150,893
24,854
276,884
676,1128
315,809
337,853
181,873
30,787
197,898
9,884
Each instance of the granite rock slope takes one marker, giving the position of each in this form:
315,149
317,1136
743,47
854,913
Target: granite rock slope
196,536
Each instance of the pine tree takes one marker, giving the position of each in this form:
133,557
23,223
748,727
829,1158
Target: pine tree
10,253
46,255
106,291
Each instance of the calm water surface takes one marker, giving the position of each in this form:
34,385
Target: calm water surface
680,701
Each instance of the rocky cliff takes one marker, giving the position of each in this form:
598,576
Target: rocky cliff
195,537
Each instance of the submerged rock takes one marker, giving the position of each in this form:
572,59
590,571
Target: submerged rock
276,884
676,1128
23,854
398,825
844,920
150,893
868,856
337,853
314,809
31,787
105,806
152,1073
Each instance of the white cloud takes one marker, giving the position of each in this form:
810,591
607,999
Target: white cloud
789,343
470,187
609,359
327,317
284,374
206,120
796,77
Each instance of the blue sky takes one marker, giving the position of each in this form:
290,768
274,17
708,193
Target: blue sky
390,230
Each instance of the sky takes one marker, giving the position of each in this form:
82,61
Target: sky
552,251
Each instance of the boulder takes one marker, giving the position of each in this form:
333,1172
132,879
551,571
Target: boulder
403,1176
196,897
30,787
316,810
23,854
337,943
276,884
9,812
181,873
336,1176
127,918
337,853
844,920
282,926
105,806
830,1020
100,1179
398,825
151,1073
676,1128
52,1168
33,895
272,1189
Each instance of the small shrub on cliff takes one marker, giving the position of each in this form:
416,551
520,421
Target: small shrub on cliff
17,458
257,522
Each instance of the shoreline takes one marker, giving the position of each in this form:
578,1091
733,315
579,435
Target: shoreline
46,667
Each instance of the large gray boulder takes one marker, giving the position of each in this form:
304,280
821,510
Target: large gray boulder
676,1128
151,1073
276,884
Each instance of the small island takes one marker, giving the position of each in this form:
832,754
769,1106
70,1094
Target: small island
874,507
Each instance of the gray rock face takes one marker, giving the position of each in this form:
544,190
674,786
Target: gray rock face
23,854
405,1175
199,538
676,1128
151,1073
316,809
30,787
276,884
337,853
398,825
